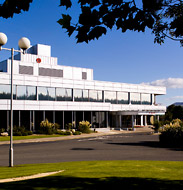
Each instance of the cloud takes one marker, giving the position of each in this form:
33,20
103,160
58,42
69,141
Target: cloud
169,83
175,97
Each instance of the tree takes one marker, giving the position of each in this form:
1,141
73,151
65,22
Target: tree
10,7
163,17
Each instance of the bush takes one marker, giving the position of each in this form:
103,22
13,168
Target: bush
70,126
77,133
48,128
157,125
172,134
2,130
84,127
20,131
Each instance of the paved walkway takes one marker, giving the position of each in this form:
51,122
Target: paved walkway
100,133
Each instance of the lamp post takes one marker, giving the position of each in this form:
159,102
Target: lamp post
23,44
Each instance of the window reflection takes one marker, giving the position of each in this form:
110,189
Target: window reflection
45,93
63,94
110,97
146,99
78,95
85,96
135,98
21,93
5,91
95,96
122,97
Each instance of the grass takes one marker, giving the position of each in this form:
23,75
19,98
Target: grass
98,175
28,137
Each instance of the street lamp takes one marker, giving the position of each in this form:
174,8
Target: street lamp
23,44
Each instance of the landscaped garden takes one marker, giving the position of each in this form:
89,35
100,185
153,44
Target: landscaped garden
46,129
92,175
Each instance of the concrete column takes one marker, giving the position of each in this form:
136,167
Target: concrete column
63,119
8,120
120,124
145,120
133,122
75,119
30,121
53,116
91,118
44,116
158,118
83,115
142,121
33,115
107,119
19,118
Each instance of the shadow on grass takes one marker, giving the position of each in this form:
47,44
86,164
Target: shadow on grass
153,144
67,182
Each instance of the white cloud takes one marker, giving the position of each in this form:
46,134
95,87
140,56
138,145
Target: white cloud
169,83
175,97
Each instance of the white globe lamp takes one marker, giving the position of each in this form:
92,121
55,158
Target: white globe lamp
24,43
3,39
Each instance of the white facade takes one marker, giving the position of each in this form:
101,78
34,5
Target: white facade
38,69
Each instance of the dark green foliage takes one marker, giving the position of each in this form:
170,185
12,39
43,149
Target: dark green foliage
77,133
20,131
172,135
163,17
157,125
2,130
63,132
9,7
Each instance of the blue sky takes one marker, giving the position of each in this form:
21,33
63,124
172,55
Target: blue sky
130,57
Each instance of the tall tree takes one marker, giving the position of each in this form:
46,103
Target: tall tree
163,17
10,7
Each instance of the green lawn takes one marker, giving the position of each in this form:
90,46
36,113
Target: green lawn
99,175
28,137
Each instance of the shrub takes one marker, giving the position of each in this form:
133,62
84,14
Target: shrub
172,134
157,125
84,127
70,126
77,133
2,130
20,131
48,128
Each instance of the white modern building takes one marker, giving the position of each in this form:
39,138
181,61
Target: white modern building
62,94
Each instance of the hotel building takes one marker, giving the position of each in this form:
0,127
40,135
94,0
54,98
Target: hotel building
63,94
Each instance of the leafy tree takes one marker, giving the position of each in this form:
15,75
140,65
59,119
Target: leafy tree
163,17
10,7
173,112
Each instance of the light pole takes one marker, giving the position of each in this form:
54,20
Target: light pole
23,44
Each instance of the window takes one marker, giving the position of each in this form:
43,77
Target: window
21,93
45,93
85,96
50,72
31,93
122,97
135,98
95,96
78,95
84,75
110,97
26,70
5,91
146,99
63,94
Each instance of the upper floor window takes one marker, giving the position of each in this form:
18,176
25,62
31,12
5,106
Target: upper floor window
84,75
110,97
146,99
122,98
135,98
